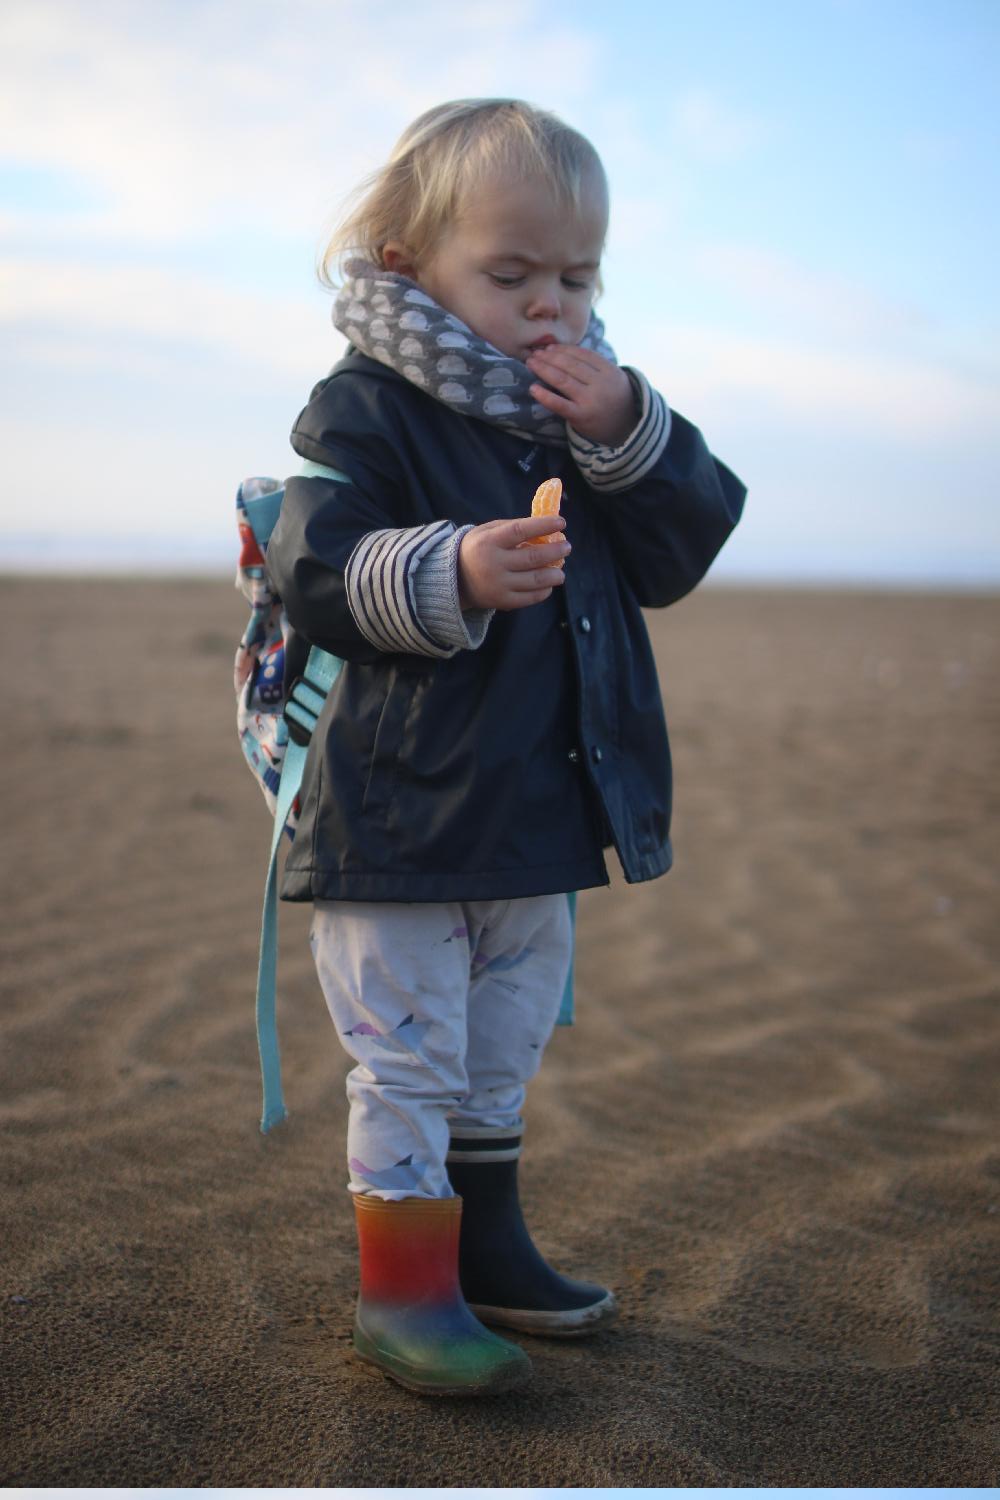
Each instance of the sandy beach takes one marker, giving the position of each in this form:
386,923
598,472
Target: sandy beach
774,1129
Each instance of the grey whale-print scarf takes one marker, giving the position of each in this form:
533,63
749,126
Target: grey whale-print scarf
390,319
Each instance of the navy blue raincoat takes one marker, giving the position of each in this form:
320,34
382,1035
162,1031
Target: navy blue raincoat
509,769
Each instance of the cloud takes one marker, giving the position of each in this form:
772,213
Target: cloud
776,285
136,316
712,128
178,118
173,164
922,402
804,343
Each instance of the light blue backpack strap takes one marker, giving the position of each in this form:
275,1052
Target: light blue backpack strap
309,470
262,499
304,707
565,1016
274,1109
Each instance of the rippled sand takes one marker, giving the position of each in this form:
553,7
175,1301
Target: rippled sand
774,1130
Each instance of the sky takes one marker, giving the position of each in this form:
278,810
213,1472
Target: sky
802,254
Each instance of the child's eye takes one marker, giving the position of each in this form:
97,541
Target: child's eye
499,280
575,285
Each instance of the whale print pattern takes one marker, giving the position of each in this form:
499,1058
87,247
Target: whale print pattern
390,319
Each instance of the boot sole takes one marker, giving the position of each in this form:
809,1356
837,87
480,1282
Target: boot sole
570,1323
507,1378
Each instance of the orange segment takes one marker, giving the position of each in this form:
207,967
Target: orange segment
548,498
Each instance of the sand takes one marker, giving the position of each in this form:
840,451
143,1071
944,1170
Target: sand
774,1130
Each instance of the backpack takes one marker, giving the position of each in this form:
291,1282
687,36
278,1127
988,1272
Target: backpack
274,736
275,724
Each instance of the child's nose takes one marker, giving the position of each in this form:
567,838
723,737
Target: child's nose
545,304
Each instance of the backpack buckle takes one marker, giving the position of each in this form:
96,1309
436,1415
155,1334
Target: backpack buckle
302,710
299,733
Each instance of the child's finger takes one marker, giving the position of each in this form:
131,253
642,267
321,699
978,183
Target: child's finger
539,555
514,533
561,366
565,382
554,402
544,396
536,578
519,597
525,600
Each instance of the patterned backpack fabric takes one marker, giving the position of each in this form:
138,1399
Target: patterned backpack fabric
259,669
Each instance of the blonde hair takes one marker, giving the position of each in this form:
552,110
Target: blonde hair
440,158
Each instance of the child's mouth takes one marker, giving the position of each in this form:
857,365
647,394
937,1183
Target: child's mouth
542,343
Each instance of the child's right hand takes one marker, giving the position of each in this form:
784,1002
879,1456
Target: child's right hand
497,571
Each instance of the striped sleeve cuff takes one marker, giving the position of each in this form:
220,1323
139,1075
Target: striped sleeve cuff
614,469
380,578
435,594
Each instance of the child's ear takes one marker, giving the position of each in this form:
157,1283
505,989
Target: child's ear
399,258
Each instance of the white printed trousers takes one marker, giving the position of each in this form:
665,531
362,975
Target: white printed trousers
446,1008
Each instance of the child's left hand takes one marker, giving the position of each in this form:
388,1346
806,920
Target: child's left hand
594,396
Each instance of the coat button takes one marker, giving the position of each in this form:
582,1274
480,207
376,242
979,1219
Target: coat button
585,624
596,754
574,756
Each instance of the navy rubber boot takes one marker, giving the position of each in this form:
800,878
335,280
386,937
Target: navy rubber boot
505,1280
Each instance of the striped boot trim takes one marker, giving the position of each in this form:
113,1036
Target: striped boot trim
484,1143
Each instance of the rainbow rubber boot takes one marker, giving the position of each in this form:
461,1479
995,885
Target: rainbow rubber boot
504,1277
412,1320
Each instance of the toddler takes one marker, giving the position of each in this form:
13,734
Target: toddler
497,724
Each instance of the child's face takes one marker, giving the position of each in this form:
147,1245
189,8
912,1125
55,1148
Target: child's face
519,269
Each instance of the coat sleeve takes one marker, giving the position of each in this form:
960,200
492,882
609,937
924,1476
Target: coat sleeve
667,528
345,576
342,557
